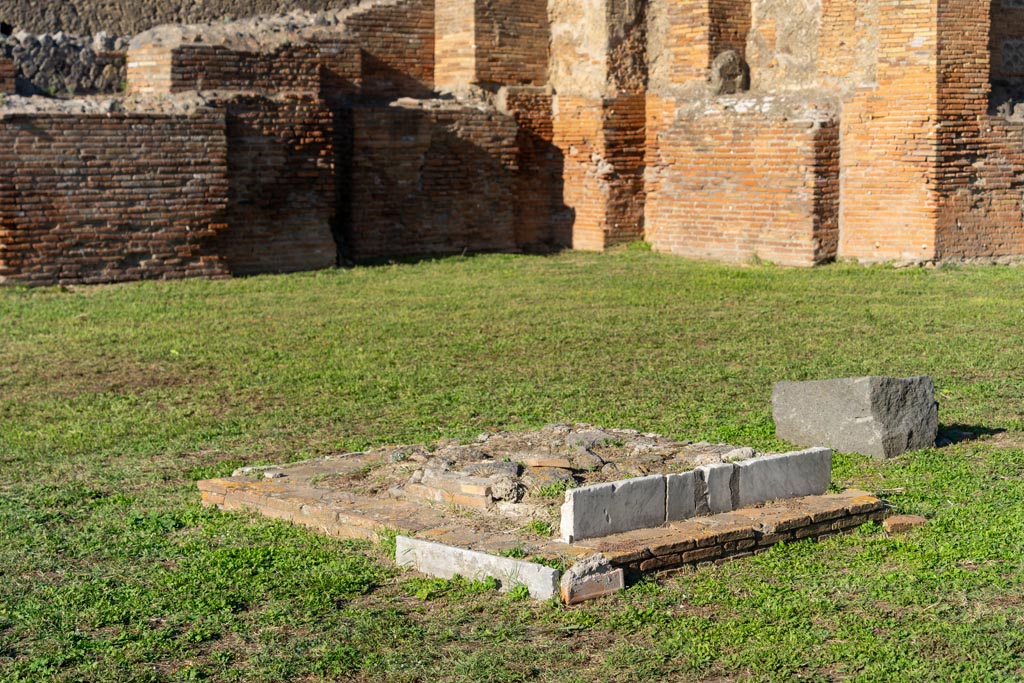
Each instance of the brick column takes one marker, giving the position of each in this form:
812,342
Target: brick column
490,42
888,196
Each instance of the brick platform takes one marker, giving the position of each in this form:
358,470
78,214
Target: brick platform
296,494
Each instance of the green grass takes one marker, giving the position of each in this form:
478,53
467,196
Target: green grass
114,400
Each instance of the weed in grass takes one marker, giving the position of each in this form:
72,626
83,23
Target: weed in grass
538,527
518,593
555,489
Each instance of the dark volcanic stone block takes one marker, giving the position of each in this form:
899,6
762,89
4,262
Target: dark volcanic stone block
879,416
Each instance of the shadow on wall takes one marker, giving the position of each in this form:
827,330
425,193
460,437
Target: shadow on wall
281,190
422,182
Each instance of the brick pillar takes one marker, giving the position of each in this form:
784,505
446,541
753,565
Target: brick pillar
490,42
910,143
888,197
686,36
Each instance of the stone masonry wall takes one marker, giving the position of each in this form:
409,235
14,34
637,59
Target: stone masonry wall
281,186
101,198
431,181
730,187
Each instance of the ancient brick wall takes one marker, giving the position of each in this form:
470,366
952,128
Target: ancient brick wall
6,76
730,187
112,197
679,42
543,221
491,42
512,41
602,142
847,43
397,48
194,68
454,42
981,158
430,181
729,25
1007,40
281,202
889,201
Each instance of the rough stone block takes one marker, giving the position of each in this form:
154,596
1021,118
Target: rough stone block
446,561
681,491
785,475
714,488
614,507
591,577
879,416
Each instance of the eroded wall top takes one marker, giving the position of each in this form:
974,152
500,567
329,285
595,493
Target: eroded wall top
87,17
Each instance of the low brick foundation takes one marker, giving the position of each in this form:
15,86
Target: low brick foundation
456,518
740,533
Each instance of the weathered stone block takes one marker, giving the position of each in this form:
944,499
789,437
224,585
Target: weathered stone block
879,416
446,561
591,577
681,492
611,508
785,475
714,488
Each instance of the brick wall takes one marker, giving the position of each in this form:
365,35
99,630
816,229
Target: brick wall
397,48
980,175
543,221
281,187
602,146
496,42
384,51
729,187
454,51
729,25
193,68
1007,40
889,201
431,181
848,43
113,197
7,74
680,42
512,39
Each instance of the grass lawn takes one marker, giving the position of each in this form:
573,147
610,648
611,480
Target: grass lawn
114,400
